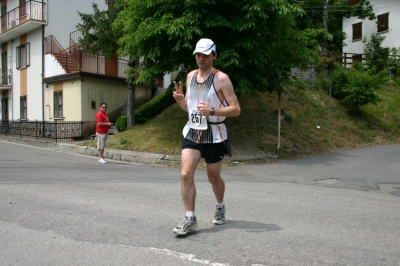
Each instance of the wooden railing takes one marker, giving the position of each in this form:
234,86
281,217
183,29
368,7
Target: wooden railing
348,59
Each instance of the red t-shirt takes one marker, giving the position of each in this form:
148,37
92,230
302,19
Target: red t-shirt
101,117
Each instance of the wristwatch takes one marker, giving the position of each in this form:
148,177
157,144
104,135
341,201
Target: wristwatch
212,112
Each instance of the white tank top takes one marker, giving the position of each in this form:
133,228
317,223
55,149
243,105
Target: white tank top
198,129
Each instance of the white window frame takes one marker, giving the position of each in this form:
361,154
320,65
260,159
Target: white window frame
58,104
23,55
23,108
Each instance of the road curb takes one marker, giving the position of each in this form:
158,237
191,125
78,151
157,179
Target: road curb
120,155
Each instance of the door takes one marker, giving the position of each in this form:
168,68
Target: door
4,70
22,8
3,18
4,115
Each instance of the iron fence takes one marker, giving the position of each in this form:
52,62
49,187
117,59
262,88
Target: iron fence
40,129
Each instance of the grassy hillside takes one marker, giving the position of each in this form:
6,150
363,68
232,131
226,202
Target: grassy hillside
254,132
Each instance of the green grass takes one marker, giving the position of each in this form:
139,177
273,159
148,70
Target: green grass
254,132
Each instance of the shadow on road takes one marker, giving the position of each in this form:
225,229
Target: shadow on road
247,226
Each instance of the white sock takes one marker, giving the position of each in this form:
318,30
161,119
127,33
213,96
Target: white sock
190,214
220,205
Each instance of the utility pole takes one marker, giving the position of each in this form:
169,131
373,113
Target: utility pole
326,20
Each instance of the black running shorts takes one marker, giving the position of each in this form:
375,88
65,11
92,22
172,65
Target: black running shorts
211,152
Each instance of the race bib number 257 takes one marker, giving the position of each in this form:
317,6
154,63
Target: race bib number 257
197,121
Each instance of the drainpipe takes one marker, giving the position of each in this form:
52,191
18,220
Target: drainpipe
43,125
12,83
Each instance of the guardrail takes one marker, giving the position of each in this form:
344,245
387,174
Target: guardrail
40,129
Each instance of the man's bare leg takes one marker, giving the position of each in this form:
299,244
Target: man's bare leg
214,177
218,185
190,159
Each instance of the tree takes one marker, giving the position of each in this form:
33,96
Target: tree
98,37
256,40
376,56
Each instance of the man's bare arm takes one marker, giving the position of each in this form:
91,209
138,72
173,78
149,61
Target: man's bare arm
225,91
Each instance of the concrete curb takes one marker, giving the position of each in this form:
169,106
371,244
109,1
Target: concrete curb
120,155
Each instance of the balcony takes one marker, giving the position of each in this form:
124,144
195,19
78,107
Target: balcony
21,20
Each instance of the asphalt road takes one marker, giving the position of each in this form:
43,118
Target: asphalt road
64,209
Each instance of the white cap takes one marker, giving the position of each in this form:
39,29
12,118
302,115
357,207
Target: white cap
205,46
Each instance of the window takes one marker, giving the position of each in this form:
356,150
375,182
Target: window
3,18
352,2
23,55
357,31
58,104
383,22
23,111
22,8
357,58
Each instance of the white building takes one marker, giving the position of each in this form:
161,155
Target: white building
44,74
387,24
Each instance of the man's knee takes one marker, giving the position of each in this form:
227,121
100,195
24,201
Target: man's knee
214,178
187,176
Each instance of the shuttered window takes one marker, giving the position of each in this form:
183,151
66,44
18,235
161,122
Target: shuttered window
352,2
383,22
357,31
357,58
23,55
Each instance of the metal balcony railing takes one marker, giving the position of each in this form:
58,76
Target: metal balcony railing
31,10
6,77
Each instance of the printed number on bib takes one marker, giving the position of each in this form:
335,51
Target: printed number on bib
197,121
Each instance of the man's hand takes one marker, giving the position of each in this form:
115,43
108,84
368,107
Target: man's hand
204,109
178,93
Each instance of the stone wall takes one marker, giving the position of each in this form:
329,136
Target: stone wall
312,73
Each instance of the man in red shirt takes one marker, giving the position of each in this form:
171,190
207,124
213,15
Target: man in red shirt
102,127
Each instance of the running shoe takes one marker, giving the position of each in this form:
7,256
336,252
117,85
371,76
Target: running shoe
219,217
185,226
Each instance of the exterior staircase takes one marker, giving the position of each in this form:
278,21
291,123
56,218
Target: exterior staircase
67,62
67,58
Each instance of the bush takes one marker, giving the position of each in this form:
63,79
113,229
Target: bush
148,110
122,123
155,106
339,79
361,86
